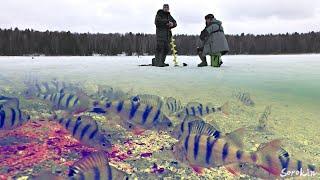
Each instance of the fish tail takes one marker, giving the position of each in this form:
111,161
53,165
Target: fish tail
299,166
225,108
270,160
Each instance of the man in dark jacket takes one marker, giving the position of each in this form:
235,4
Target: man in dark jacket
214,42
164,23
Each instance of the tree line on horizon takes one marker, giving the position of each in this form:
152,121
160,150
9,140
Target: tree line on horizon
15,42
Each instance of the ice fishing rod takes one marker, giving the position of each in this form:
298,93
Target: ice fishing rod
174,51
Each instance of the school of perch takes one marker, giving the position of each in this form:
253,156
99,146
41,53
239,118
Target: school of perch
71,128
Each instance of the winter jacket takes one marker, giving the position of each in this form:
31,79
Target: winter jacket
163,32
213,38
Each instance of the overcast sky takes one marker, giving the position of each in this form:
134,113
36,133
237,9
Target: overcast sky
105,16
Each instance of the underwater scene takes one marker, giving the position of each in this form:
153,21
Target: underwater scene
109,118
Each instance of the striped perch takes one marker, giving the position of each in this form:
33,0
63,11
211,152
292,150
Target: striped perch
11,118
195,125
280,156
95,166
150,99
137,117
74,103
203,151
86,130
172,105
198,109
34,87
9,102
245,98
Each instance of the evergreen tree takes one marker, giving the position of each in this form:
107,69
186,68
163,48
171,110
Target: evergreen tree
26,42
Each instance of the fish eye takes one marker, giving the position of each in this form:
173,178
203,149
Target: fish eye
108,104
169,124
26,92
135,99
104,141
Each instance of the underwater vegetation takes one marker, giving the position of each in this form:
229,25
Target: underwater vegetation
55,129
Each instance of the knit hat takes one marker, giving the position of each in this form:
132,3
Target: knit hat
209,16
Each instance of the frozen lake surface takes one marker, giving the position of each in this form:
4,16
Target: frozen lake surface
285,77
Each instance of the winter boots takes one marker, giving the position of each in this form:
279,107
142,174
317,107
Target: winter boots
156,62
216,60
202,57
203,63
